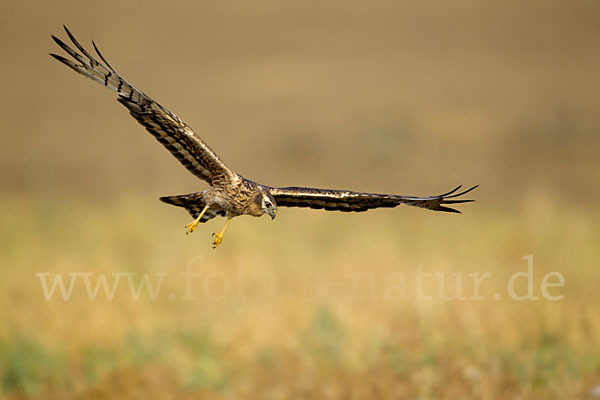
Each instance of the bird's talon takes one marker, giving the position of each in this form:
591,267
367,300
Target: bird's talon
218,240
190,227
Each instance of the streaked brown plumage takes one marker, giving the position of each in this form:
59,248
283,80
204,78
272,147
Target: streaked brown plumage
229,195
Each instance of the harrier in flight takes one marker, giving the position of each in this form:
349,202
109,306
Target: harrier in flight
230,194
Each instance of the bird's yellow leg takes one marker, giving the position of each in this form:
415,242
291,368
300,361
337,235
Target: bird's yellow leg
192,225
219,236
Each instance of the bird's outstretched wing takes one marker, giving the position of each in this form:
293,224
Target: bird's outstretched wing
343,200
165,126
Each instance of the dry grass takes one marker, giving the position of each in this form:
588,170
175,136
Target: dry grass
407,97
274,334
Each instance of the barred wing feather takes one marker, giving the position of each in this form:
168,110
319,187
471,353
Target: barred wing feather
165,126
343,200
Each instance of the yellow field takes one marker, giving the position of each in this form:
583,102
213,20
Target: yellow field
317,314
392,97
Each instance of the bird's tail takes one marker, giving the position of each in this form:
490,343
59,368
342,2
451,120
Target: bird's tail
194,204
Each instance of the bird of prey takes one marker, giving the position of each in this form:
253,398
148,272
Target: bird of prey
230,195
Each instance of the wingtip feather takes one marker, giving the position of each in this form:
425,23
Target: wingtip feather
58,41
102,57
68,31
448,209
59,58
450,192
65,61
457,201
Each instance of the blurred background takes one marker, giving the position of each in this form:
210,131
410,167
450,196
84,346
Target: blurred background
392,97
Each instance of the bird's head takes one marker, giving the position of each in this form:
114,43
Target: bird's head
267,203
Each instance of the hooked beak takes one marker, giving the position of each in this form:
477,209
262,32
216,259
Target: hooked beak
272,213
